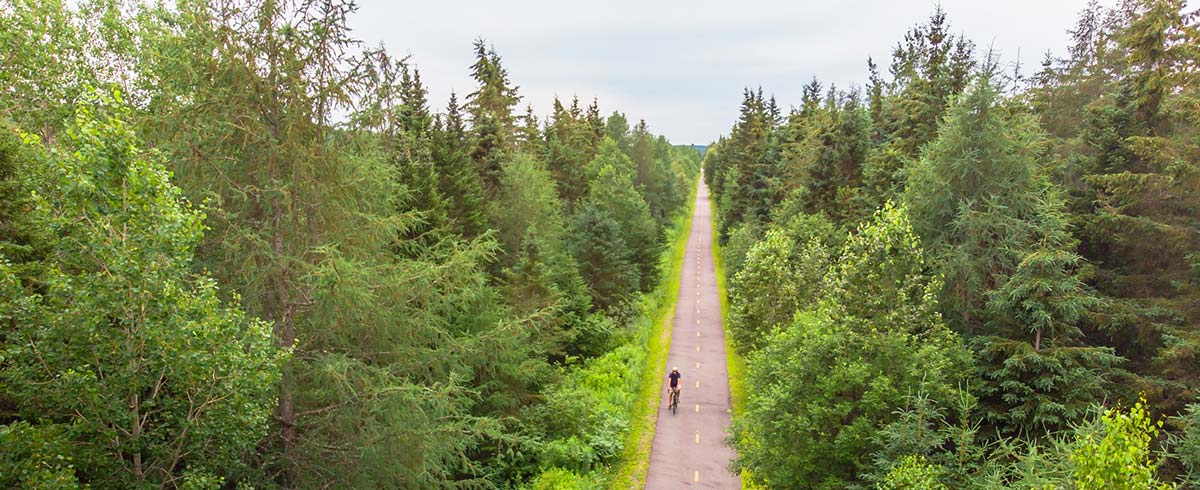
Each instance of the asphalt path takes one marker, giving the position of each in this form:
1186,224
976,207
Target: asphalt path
689,448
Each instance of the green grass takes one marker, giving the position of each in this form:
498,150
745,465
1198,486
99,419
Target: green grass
630,470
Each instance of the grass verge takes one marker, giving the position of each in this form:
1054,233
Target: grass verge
630,470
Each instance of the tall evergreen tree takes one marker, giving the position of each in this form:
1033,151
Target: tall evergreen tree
929,68
569,149
1139,205
617,242
541,276
996,229
824,153
493,124
458,180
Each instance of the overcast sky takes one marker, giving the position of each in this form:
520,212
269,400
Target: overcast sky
682,65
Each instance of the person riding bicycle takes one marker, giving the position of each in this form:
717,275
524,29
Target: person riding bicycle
674,376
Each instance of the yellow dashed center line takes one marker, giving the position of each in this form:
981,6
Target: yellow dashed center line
696,476
697,438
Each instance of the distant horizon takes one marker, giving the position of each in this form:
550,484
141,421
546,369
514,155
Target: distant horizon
682,67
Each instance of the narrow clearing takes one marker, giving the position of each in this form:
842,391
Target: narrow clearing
689,447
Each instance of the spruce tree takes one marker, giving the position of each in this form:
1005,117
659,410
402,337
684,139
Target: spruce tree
493,125
569,149
996,229
617,242
540,275
458,180
929,68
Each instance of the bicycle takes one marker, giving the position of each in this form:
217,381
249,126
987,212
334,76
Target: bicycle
673,405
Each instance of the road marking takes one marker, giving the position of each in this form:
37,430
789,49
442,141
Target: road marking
697,348
696,476
697,384
697,333
697,438
697,365
697,321
697,407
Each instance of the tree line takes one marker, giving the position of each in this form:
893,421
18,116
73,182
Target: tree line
961,276
238,249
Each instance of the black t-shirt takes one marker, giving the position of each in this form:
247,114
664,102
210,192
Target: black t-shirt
675,378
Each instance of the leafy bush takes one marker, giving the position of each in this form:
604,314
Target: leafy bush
827,384
1117,455
913,473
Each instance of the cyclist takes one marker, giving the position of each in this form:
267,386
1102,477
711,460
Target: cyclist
674,377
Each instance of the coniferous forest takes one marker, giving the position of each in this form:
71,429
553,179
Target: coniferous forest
239,249
964,274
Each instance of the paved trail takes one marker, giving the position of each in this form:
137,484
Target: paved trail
689,448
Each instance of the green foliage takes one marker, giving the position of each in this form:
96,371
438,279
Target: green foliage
929,69
824,155
419,265
1000,239
827,383
793,282
913,473
539,272
571,143
493,125
1134,184
742,238
458,180
1186,444
782,274
974,199
125,370
1058,212
744,173
560,479
617,241
1118,456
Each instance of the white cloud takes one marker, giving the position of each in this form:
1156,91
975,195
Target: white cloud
682,65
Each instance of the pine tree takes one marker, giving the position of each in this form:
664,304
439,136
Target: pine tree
1136,196
530,135
973,199
1038,375
748,185
824,153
